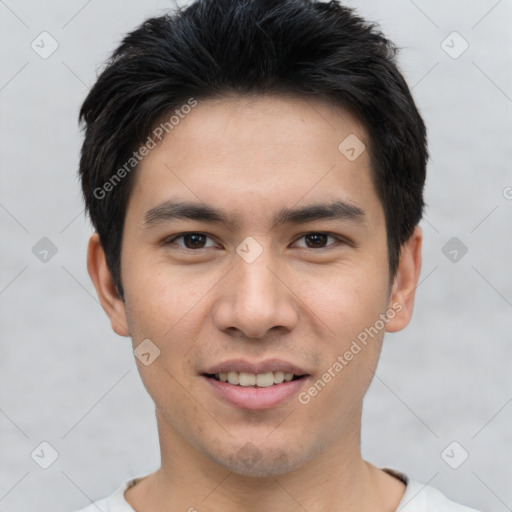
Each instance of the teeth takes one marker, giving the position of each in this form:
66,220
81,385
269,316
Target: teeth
264,380
233,377
246,379
278,377
261,380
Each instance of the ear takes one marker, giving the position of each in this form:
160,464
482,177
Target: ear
405,282
101,276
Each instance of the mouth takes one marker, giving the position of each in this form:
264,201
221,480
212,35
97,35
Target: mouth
257,386
255,380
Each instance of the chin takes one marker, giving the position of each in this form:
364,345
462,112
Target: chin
253,461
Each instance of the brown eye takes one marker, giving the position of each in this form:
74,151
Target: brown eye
194,240
317,240
190,240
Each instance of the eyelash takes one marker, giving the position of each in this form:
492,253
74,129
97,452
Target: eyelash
171,240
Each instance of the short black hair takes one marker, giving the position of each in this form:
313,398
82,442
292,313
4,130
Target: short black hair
214,48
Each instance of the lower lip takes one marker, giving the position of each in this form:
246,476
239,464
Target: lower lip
253,397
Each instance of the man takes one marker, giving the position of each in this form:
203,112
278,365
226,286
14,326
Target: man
254,171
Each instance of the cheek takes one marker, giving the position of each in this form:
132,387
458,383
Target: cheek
349,300
352,308
159,300
175,397
169,309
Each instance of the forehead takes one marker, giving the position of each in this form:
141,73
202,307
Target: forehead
255,153
303,126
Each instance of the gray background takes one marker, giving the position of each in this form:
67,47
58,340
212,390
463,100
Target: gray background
67,379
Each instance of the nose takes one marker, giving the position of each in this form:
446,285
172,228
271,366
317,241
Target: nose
256,297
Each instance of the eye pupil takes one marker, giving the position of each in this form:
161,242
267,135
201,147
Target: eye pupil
197,239
318,238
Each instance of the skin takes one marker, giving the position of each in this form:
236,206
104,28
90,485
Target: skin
301,300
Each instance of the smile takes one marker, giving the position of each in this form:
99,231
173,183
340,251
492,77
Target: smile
260,380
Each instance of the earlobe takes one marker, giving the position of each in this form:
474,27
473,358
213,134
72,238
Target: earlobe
101,277
405,282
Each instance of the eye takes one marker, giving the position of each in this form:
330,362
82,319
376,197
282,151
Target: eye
317,240
191,240
196,240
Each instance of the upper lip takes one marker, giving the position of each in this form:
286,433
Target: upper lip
268,365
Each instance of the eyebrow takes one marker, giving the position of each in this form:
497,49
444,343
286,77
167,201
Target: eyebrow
175,210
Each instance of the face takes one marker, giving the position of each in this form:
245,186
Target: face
255,250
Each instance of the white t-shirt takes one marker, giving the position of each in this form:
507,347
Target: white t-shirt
418,497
